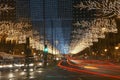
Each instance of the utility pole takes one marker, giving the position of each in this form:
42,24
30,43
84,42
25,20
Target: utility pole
52,33
28,54
45,45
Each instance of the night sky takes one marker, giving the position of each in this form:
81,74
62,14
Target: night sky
58,21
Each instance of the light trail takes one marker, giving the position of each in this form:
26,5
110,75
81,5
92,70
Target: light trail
95,66
95,63
85,71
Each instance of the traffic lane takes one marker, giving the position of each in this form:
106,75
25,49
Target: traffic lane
54,73
65,65
21,74
101,68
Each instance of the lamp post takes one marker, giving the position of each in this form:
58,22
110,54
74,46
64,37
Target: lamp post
106,50
28,53
116,52
45,55
116,47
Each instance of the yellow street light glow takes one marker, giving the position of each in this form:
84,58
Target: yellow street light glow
105,50
116,47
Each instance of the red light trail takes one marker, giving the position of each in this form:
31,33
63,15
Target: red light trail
85,71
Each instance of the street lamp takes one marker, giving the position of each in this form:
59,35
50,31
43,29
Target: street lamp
105,50
22,53
106,53
116,47
116,52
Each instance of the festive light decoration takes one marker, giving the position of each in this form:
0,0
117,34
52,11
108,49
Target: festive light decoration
88,31
20,30
39,45
5,8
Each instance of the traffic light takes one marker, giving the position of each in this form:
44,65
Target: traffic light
45,49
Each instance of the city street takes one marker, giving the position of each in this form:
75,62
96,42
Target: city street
64,71
105,71
59,39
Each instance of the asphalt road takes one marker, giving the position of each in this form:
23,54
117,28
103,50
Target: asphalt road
51,73
93,71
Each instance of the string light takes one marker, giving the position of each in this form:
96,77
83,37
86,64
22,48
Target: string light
19,31
88,31
5,8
